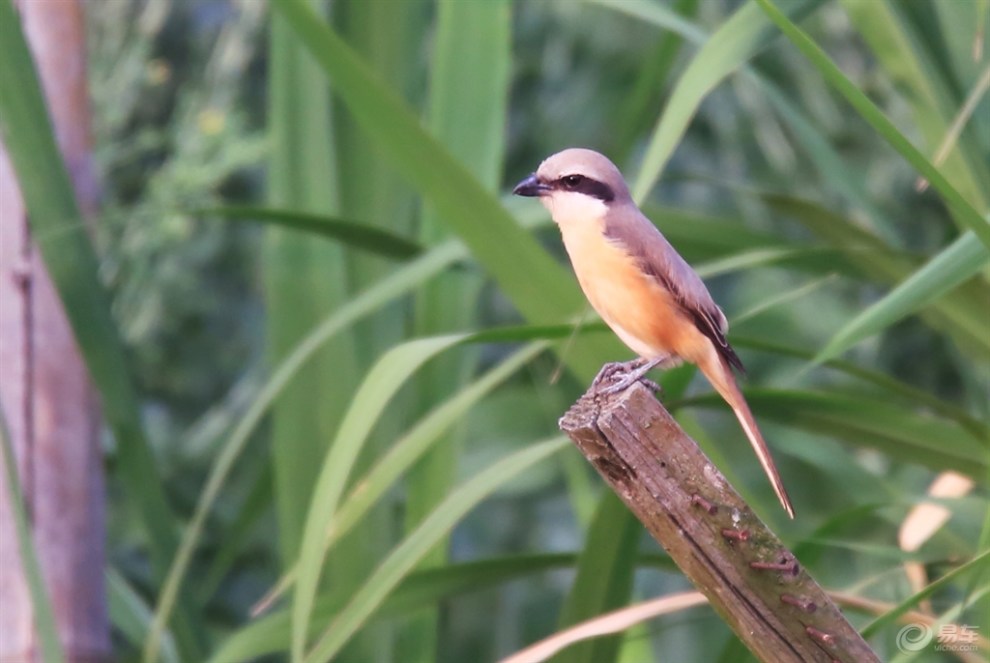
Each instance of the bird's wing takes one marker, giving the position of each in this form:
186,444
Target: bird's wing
660,260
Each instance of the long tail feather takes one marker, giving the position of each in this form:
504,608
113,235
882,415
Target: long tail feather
720,375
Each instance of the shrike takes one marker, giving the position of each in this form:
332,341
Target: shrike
640,286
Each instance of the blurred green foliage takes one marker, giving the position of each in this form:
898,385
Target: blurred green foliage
794,206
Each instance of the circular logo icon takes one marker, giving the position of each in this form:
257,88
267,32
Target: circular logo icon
914,637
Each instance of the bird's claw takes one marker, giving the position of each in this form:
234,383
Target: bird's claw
616,376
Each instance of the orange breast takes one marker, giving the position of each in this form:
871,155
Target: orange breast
640,311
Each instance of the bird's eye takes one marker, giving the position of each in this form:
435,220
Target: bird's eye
571,181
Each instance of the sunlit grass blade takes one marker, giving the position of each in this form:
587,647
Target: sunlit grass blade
399,283
912,69
835,172
270,634
964,212
952,266
978,564
654,76
411,446
959,122
406,451
131,615
958,313
382,381
615,622
785,297
735,42
43,614
658,15
74,268
356,235
405,556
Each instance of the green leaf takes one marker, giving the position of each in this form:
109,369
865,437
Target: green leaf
658,15
131,615
912,71
961,209
955,264
404,557
735,42
270,634
378,387
836,172
978,564
399,283
357,235
958,313
408,449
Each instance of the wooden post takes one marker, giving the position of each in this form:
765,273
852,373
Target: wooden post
45,392
753,582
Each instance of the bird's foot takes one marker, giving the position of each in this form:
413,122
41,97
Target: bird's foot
614,370
616,376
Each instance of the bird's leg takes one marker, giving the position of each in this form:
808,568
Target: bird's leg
609,371
633,372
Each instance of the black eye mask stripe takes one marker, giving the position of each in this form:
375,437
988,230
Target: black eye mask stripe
589,187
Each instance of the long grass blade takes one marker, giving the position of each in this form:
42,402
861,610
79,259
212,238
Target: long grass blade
735,42
131,615
977,565
962,210
304,280
401,560
356,235
376,296
891,386
378,387
270,634
957,263
911,69
407,451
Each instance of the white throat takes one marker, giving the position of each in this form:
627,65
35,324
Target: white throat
569,207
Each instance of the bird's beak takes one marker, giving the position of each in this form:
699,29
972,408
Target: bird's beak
531,186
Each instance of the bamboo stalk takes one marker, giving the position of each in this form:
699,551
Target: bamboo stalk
46,394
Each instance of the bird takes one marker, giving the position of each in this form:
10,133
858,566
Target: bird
640,286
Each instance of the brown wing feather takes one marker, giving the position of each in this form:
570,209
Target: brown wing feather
660,260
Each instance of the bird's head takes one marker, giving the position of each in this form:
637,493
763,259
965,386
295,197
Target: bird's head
576,184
